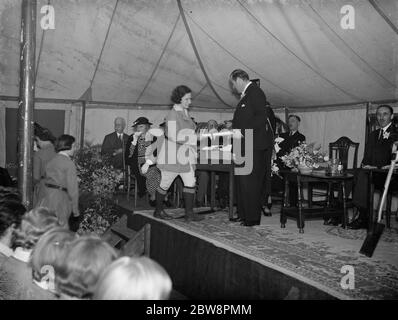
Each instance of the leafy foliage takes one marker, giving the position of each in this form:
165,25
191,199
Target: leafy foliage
97,183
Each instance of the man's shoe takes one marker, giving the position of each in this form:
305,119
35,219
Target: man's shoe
250,223
152,203
358,224
266,212
237,219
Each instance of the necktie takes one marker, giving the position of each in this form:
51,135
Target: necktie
381,131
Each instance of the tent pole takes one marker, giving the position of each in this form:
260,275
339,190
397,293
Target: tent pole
26,101
82,124
367,123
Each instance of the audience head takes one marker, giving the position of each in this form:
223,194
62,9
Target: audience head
212,124
50,250
142,124
120,124
134,279
239,80
43,136
11,212
34,224
228,124
384,114
182,95
293,122
64,143
81,267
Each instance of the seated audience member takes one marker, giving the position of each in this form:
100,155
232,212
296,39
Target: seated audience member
49,253
149,178
377,154
11,212
114,144
16,273
60,190
81,267
46,151
134,279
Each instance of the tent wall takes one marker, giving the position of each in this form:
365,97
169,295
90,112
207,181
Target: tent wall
318,126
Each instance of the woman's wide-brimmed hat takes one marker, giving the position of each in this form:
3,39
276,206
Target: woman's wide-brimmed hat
141,120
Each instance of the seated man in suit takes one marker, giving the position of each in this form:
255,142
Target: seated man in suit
291,140
114,144
377,155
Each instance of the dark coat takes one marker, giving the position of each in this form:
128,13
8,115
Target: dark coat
378,151
110,144
290,142
252,113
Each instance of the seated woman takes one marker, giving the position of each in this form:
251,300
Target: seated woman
134,279
47,256
16,273
82,266
60,190
135,158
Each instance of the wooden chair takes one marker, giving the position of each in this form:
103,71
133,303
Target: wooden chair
338,149
131,182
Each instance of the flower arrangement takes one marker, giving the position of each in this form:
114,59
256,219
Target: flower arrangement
97,183
305,155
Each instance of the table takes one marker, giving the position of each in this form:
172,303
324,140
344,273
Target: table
219,167
299,212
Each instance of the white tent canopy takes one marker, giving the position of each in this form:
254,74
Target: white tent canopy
137,51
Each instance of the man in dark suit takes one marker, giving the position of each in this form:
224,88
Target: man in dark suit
114,144
292,139
377,155
251,114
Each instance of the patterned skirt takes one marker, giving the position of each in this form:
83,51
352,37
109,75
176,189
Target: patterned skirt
153,177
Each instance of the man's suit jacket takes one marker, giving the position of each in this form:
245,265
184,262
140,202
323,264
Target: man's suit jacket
290,142
378,150
252,113
110,144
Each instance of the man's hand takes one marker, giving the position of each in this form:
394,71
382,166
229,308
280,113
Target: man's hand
369,167
118,151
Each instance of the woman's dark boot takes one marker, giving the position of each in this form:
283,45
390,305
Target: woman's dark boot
159,212
188,201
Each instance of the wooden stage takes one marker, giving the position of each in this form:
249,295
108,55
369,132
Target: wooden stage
217,259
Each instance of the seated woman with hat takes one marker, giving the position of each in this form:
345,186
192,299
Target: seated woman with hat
136,147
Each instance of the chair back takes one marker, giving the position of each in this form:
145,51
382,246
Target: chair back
340,149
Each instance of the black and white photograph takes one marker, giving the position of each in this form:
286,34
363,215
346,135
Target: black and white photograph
199,156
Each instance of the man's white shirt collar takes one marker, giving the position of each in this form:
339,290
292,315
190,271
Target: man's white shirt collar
244,90
64,153
386,127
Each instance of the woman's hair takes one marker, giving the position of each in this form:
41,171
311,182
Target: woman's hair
134,279
50,251
64,142
179,92
11,210
43,133
34,224
82,265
